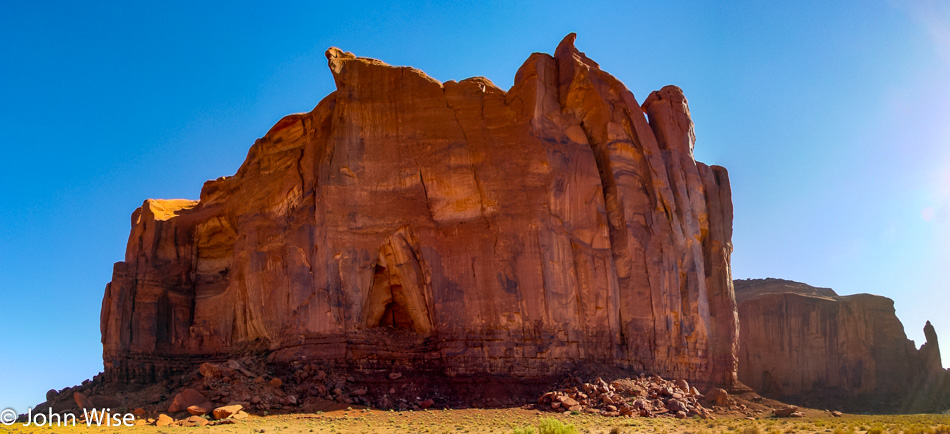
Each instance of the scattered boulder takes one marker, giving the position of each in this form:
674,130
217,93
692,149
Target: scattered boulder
164,420
200,409
675,405
82,401
227,411
194,421
186,398
209,370
683,385
785,411
717,396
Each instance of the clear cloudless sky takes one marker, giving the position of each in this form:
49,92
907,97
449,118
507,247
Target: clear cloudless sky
833,119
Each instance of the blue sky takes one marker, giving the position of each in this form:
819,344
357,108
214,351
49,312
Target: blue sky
832,117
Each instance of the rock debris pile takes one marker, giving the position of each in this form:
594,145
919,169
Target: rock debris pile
645,396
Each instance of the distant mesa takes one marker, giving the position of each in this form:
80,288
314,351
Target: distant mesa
812,347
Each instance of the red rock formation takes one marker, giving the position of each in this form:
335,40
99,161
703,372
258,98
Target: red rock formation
930,350
810,346
450,226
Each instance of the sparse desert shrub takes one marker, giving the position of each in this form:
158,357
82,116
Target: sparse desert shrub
525,430
751,430
551,425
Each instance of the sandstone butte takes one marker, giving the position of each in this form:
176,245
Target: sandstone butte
451,228
810,346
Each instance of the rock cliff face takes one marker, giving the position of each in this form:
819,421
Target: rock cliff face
453,227
810,346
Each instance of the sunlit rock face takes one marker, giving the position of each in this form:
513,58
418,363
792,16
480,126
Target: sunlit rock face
453,227
810,346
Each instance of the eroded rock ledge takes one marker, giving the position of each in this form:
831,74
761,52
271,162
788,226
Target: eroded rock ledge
453,228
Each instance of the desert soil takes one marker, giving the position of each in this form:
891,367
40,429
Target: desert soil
359,420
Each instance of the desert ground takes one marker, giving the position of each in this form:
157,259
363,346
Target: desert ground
517,420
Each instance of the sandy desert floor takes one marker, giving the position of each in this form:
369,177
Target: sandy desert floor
519,420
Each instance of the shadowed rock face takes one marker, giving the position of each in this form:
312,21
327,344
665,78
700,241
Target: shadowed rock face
453,227
810,346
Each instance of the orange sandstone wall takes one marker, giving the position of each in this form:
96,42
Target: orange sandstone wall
454,227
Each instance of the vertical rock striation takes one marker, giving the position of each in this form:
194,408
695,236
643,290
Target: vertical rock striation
453,227
810,346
